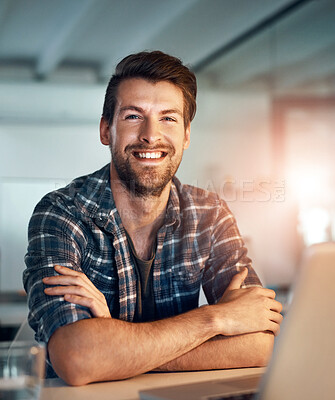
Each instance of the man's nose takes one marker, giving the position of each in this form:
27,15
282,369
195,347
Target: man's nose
150,131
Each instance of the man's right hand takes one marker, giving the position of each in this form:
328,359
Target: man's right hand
78,289
248,310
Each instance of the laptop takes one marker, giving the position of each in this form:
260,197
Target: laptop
302,364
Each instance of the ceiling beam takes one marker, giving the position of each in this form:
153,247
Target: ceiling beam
252,31
290,53
64,38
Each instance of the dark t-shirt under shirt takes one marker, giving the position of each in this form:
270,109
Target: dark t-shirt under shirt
145,305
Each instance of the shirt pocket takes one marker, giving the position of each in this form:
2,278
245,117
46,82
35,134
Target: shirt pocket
186,281
187,273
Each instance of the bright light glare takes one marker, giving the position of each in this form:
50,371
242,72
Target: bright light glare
309,185
314,225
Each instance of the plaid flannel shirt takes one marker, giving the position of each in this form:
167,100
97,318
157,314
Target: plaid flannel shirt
79,227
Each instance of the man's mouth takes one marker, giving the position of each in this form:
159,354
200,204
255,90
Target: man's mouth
149,154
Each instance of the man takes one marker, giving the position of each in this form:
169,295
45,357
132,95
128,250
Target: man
116,259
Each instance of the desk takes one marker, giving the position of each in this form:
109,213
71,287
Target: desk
55,389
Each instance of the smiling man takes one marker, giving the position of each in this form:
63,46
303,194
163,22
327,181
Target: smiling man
116,259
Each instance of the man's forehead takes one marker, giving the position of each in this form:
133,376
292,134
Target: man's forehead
134,90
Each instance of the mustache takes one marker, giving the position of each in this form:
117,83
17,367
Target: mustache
144,147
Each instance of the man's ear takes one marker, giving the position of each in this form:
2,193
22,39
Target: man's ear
187,136
104,132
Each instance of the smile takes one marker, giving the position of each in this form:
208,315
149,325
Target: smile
150,155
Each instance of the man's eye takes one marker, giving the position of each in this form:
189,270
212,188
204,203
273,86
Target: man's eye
169,119
132,116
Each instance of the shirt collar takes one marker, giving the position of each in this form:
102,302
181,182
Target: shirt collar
172,217
95,198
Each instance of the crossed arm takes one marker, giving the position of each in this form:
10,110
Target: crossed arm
236,332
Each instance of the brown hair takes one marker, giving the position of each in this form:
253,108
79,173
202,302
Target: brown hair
153,66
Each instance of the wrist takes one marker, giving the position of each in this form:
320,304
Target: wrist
211,320
221,322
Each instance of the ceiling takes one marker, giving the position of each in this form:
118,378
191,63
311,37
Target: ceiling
293,55
82,40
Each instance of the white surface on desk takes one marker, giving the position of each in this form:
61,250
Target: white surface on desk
55,389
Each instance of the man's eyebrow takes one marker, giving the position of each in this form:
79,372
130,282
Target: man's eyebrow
172,111
131,108
140,110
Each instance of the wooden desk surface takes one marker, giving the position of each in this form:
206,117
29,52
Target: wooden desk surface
55,389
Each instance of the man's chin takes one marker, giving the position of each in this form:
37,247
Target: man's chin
144,181
146,188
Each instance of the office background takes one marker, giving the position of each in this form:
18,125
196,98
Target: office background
263,137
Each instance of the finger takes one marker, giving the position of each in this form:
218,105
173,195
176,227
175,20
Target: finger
276,306
89,303
276,317
238,279
78,290
66,271
271,294
274,327
273,305
67,280
60,280
70,277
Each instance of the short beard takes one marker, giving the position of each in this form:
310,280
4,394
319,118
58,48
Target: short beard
150,183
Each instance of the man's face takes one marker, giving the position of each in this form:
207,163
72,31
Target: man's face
147,136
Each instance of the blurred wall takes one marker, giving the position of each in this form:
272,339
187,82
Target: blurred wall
49,135
47,130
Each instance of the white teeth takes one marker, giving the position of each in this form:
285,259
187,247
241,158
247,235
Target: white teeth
150,155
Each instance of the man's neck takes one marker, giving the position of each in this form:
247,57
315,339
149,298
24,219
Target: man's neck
141,216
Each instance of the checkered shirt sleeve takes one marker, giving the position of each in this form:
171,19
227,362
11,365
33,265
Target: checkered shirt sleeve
228,256
54,238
